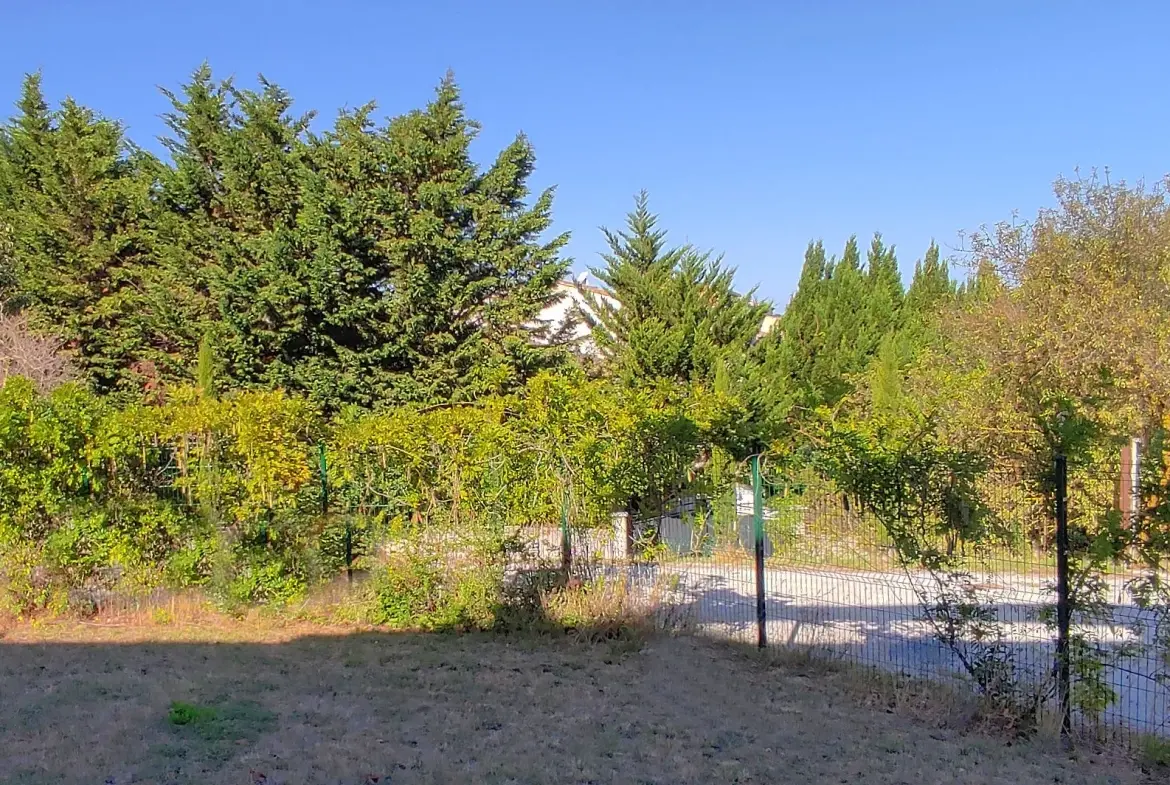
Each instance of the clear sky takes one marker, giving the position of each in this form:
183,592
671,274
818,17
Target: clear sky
754,126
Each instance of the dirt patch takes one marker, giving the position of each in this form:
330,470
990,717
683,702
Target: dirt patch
174,704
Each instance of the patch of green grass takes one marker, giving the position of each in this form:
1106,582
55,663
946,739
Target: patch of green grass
216,730
1154,752
190,714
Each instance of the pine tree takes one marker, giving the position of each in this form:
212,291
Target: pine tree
633,332
846,311
837,320
231,235
443,263
371,264
802,326
886,295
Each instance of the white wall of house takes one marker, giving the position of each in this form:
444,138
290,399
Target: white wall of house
573,299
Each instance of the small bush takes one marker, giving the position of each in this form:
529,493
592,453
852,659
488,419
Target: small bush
600,609
417,592
522,605
1154,752
263,582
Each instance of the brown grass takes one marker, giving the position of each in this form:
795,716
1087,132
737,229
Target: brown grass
88,703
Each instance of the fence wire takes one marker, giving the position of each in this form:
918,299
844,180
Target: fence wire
784,557
979,616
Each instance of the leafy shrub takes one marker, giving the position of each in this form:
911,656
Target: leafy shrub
226,494
260,582
416,592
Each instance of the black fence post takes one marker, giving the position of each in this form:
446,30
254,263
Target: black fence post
1063,607
758,531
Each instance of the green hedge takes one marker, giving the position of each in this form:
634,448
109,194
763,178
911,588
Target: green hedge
256,497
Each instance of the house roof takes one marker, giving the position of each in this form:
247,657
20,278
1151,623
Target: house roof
569,284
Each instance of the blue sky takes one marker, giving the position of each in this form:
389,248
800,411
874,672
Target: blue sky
754,126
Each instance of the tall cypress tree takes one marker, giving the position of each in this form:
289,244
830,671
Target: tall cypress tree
930,293
886,294
74,197
371,264
837,320
229,226
677,315
803,325
931,286
846,314
457,259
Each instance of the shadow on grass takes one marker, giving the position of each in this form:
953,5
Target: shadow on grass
108,704
594,695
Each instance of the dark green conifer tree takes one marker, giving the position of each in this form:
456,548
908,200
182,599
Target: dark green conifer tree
74,199
674,312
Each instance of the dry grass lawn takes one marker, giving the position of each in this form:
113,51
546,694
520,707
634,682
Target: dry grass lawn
88,704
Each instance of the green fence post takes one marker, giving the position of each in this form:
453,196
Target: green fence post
566,540
758,530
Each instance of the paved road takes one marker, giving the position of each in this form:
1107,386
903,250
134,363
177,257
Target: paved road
878,619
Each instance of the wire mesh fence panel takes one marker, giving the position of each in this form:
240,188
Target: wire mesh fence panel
950,598
957,579
692,560
963,590
922,598
1117,577
706,550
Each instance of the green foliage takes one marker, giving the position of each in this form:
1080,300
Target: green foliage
104,499
224,493
926,495
838,319
1155,751
416,592
932,286
205,369
215,730
182,713
75,196
677,315
673,315
370,264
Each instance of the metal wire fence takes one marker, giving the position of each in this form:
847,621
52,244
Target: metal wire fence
1047,592
1017,600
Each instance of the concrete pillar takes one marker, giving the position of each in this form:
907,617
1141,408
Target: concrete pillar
623,536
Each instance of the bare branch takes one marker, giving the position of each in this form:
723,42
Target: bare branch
41,359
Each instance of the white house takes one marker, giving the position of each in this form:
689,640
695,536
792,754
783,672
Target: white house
571,311
573,301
